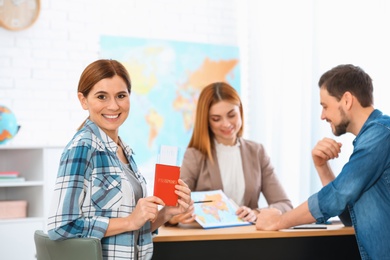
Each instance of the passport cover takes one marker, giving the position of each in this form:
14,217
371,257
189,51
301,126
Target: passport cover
165,179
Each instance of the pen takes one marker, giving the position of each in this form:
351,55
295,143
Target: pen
311,226
203,201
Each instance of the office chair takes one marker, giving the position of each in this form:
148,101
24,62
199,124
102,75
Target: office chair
74,248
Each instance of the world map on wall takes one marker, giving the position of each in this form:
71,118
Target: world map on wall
167,77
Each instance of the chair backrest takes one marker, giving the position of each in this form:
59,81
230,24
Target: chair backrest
74,248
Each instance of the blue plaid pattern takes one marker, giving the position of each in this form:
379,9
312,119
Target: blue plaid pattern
91,188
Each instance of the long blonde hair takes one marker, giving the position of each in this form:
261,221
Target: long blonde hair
202,136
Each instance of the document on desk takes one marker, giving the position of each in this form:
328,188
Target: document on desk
213,209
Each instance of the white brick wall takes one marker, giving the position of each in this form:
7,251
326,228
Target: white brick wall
40,66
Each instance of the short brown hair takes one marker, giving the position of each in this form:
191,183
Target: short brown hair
350,78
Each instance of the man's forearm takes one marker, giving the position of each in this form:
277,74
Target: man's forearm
297,216
325,173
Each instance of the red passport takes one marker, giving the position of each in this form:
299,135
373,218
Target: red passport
165,179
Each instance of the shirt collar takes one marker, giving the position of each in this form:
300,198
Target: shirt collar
222,145
374,114
105,139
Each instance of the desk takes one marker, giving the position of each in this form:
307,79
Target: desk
245,242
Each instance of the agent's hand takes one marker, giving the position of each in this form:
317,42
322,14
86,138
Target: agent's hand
246,214
268,219
325,150
184,201
185,218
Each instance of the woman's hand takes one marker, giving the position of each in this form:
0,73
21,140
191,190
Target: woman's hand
184,201
247,214
145,210
184,218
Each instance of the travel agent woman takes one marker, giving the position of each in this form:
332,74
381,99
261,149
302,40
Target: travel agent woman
218,157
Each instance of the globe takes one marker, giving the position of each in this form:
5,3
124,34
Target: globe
8,125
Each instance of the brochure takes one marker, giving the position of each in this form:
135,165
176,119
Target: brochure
213,209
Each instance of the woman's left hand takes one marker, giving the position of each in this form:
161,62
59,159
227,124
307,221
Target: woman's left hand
184,201
247,214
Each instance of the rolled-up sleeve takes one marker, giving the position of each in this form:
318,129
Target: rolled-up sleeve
314,208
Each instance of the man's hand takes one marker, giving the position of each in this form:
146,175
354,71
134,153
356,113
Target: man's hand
325,150
268,219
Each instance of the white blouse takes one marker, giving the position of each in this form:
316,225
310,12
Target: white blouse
232,174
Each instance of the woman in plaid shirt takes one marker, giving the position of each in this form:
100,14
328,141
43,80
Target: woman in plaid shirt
99,191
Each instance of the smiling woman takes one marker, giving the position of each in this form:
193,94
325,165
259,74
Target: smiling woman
99,191
219,158
108,104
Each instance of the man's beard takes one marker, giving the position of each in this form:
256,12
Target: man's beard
341,128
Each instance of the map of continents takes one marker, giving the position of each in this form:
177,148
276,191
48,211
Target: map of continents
213,208
167,77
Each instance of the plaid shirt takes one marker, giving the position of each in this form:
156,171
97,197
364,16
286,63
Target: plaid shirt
91,188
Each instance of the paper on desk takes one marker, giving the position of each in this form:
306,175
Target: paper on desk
328,227
217,212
